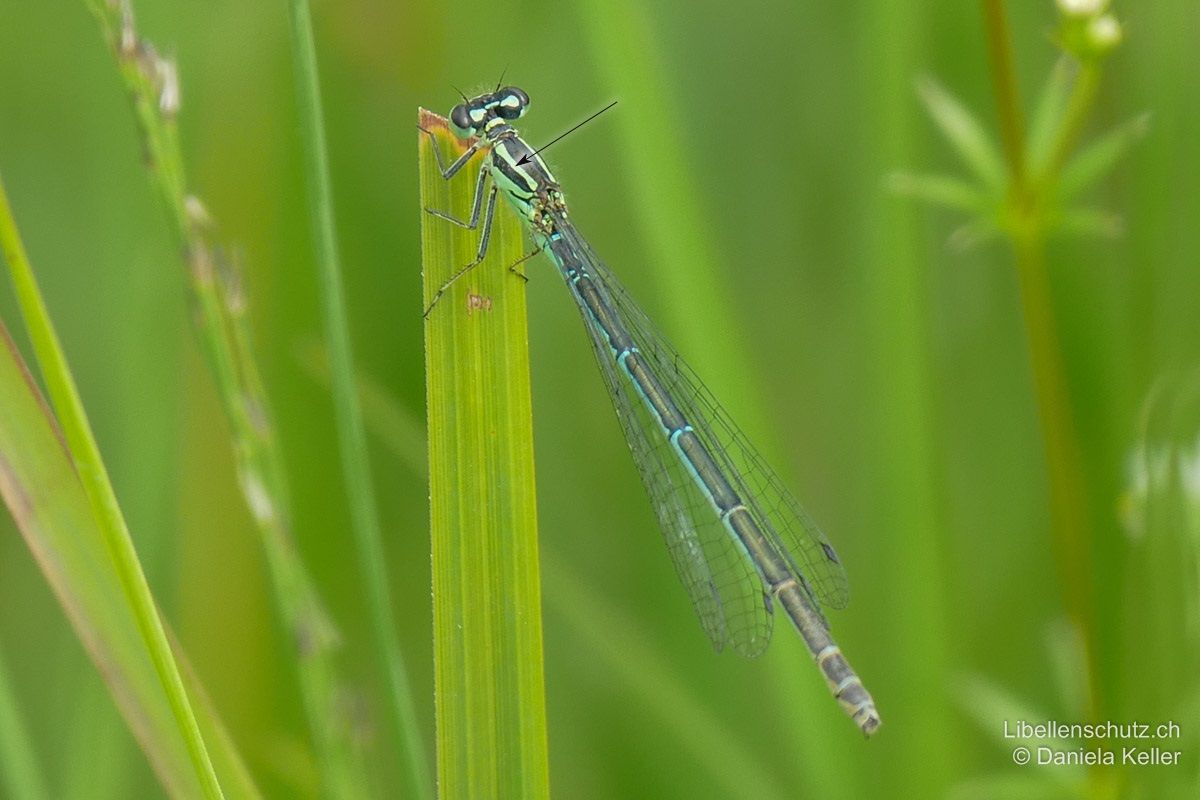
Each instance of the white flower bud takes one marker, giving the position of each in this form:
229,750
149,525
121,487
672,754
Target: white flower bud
1104,32
1081,8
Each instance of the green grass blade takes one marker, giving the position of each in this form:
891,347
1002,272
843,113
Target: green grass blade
1098,158
351,437
42,489
600,629
223,333
110,521
1162,504
903,519
20,776
489,690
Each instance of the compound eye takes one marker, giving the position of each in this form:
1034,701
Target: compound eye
511,102
460,118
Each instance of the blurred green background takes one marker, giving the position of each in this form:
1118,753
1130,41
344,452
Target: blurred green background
886,374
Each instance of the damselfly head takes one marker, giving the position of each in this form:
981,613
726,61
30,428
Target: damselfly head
472,117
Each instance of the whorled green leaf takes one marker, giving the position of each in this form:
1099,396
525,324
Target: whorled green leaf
973,234
1090,223
964,133
1098,158
1049,113
940,190
43,493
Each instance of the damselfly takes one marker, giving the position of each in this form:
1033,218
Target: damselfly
739,541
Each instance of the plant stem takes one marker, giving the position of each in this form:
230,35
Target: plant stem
1012,125
81,442
1064,460
1070,526
351,438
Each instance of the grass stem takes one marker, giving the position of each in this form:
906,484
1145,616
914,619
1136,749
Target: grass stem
351,437
222,328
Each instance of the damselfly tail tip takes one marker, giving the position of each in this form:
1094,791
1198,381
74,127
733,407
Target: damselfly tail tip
868,720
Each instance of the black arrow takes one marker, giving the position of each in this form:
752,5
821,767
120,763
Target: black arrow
525,159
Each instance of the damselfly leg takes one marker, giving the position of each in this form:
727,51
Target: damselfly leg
470,224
